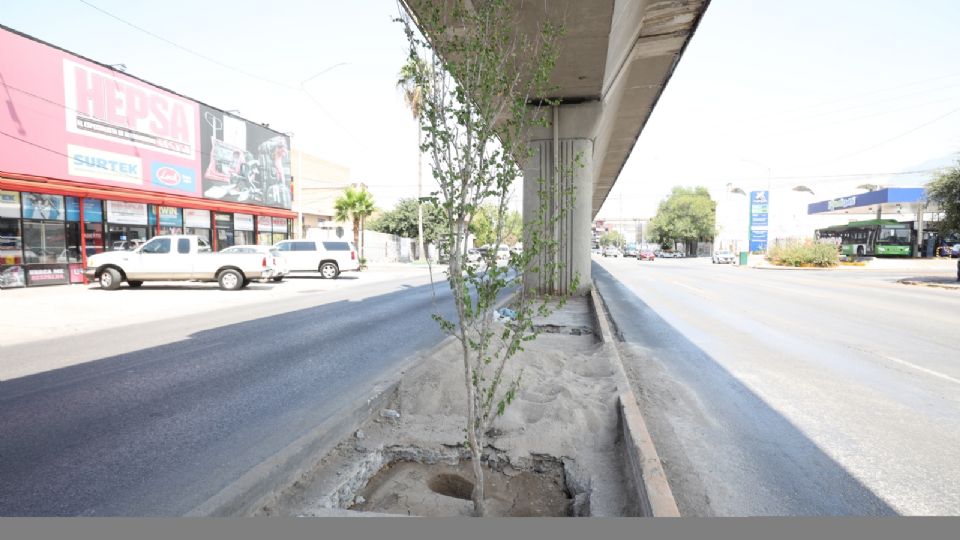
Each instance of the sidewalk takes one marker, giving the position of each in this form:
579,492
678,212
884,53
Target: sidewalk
39,313
933,281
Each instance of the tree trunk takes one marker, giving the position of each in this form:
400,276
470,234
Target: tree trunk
356,234
479,508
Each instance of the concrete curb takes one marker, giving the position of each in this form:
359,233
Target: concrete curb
253,489
643,464
953,286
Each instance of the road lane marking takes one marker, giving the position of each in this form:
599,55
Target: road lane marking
697,291
923,369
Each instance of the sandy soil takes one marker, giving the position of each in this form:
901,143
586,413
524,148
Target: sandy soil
564,416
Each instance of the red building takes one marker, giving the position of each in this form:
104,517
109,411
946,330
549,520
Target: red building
93,159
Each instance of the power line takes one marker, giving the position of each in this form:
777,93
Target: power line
891,139
188,50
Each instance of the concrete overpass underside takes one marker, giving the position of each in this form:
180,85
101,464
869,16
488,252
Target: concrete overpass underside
615,59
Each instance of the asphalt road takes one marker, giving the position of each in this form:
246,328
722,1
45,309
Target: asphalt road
772,392
157,429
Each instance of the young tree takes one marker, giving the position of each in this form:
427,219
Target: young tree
944,190
485,82
355,205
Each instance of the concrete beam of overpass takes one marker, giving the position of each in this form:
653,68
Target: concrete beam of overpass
618,54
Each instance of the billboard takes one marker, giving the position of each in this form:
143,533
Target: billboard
69,118
243,162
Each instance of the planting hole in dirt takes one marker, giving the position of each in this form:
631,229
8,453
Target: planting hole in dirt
451,485
437,490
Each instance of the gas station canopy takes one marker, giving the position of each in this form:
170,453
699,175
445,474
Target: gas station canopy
883,201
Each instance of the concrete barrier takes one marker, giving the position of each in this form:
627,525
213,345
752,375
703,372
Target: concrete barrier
646,475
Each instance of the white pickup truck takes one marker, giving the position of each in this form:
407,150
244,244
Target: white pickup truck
176,258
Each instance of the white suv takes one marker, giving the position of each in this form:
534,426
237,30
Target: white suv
329,257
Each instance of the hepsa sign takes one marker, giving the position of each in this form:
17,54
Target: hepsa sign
110,108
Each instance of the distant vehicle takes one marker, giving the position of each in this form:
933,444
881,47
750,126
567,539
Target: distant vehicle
611,251
274,260
666,254
176,257
874,237
329,257
955,250
631,251
517,248
646,256
597,250
473,255
722,257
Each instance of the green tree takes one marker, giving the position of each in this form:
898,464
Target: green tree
355,205
944,190
486,223
410,81
612,238
403,220
486,83
687,215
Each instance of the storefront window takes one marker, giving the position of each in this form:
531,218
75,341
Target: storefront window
73,243
125,237
11,250
202,233
243,229
44,242
242,238
43,206
265,239
94,238
171,219
225,234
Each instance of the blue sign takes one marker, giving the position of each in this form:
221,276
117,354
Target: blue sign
173,177
92,210
758,240
759,219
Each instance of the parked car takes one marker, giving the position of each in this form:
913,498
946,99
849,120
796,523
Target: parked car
517,248
597,251
329,257
646,256
722,256
631,251
274,258
671,254
473,255
176,257
611,251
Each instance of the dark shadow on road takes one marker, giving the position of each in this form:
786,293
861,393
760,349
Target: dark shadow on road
768,449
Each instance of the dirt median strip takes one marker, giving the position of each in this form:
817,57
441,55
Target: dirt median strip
647,474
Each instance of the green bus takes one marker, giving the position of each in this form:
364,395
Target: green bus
875,237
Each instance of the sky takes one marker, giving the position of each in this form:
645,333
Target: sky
819,93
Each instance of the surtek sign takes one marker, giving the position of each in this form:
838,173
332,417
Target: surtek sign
101,105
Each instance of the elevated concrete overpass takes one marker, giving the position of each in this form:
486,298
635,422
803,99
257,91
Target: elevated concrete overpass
616,57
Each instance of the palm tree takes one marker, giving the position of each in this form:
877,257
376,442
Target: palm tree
354,206
411,82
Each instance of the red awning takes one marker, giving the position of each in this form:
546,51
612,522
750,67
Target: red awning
39,184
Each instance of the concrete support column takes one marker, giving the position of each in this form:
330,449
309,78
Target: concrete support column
558,166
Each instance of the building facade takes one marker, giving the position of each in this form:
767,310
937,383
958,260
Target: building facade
93,159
